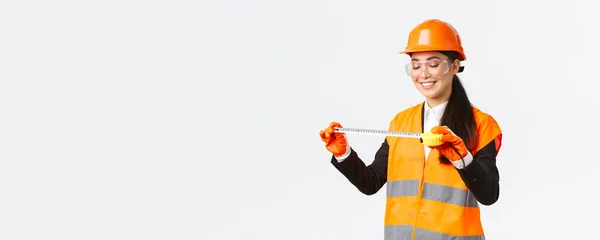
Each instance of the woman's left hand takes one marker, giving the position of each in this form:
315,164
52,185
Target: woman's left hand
450,138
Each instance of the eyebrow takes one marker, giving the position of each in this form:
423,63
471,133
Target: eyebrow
433,57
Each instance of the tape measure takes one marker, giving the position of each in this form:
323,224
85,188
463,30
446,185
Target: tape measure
427,138
378,132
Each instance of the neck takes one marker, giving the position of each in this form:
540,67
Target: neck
434,102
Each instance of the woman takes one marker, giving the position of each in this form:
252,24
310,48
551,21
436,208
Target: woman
432,192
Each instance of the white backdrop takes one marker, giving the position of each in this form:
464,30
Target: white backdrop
186,120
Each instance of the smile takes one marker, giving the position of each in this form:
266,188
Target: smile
427,84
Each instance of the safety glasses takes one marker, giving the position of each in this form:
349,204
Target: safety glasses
434,67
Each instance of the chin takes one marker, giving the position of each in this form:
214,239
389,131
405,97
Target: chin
429,96
428,93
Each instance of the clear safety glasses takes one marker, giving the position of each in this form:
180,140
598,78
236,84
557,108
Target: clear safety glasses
434,67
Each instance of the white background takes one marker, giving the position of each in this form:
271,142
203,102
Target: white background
186,120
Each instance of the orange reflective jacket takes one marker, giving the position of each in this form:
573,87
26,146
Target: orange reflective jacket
425,199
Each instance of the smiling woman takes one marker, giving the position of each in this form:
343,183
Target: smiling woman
432,192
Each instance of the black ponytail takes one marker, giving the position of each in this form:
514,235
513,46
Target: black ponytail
458,115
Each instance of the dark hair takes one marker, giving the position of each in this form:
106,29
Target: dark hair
458,115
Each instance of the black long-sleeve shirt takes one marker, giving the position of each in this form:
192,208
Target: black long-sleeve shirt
481,176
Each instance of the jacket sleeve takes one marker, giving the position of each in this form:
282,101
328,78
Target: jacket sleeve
481,176
367,179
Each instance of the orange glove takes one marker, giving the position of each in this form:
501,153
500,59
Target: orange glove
452,140
335,143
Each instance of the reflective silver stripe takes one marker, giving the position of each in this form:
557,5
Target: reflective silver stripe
432,191
398,232
450,195
404,232
422,234
403,188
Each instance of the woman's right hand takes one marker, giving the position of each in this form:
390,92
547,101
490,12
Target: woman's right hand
335,142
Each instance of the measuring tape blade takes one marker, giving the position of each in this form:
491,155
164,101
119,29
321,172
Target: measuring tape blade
378,132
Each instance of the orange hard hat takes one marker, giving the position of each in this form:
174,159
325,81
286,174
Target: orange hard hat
434,35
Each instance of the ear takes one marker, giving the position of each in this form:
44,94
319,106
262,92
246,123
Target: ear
455,66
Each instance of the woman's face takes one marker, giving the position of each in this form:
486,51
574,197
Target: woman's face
432,73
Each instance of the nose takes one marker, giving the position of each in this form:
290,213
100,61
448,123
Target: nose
424,73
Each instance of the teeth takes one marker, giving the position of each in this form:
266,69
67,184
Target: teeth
427,84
